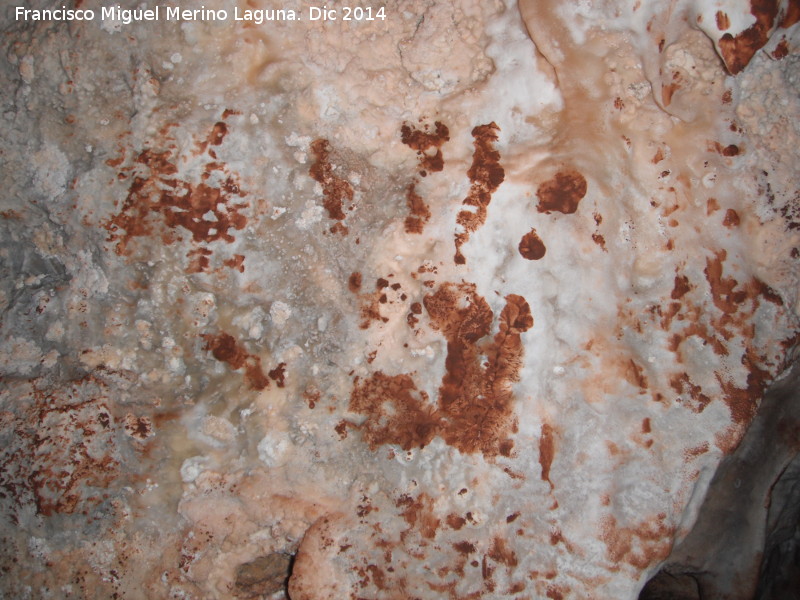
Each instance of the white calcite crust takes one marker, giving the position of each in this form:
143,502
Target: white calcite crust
465,302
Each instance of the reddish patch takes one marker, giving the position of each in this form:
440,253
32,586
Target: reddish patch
658,156
474,412
531,246
225,349
419,213
336,191
712,206
464,548
486,174
681,287
723,22
156,195
547,450
731,219
781,50
236,263
455,521
418,513
600,241
354,282
562,193
792,15
641,546
278,375
501,553
423,141
738,51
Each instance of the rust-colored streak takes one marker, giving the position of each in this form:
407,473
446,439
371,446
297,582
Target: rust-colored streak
474,411
485,174
336,191
562,193
531,246
423,141
547,450
723,22
224,348
419,213
738,51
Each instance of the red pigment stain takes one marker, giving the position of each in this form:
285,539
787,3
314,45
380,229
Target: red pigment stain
474,411
531,246
486,174
418,513
354,282
738,51
156,196
600,241
422,141
335,190
224,348
645,544
547,448
61,451
562,193
781,50
419,213
731,219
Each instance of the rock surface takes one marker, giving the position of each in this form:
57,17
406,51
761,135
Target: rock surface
469,301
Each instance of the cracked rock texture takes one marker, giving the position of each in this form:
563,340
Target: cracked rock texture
483,299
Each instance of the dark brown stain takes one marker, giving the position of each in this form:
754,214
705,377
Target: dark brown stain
562,193
531,246
485,175
424,140
336,191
